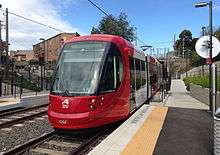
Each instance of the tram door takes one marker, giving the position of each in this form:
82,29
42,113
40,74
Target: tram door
132,84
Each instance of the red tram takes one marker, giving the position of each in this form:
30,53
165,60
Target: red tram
100,79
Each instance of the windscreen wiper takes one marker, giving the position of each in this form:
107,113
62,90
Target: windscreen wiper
66,91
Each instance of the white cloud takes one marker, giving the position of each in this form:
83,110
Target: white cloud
23,34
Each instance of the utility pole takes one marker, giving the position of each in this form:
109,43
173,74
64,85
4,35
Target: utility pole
185,55
204,4
210,57
1,44
136,36
7,42
203,34
0,30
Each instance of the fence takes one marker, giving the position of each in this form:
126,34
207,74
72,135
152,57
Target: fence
18,86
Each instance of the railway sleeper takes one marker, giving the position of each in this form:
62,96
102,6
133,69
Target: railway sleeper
55,147
43,151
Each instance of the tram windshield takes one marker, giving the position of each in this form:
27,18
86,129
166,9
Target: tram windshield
78,68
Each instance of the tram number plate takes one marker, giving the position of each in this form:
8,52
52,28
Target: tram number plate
62,121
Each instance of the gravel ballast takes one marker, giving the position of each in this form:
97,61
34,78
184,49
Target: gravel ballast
23,133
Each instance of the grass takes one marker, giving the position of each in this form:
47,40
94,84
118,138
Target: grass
200,80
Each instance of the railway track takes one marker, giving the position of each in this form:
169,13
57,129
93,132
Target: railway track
12,111
54,144
11,118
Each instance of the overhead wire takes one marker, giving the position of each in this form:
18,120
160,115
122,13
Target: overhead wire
99,8
105,13
31,20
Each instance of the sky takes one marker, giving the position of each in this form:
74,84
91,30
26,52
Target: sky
157,21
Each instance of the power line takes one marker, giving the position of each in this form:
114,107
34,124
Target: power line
100,9
164,42
104,12
31,20
140,41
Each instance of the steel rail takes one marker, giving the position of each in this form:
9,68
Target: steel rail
22,119
8,112
85,145
26,146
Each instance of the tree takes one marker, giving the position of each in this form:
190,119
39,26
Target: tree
185,37
189,46
115,26
185,34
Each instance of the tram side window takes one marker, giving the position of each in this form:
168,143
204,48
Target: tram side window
132,73
107,79
143,73
113,71
119,68
138,73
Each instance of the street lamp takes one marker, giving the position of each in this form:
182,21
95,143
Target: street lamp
201,4
203,30
204,4
43,64
145,47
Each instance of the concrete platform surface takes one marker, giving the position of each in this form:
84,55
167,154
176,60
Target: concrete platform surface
164,129
26,101
118,140
161,131
179,97
186,132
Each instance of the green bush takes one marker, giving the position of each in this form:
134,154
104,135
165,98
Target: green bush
200,80
24,83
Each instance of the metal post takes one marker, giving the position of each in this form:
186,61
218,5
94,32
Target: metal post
41,75
15,91
44,63
184,54
46,83
38,81
7,42
15,87
21,91
214,88
0,30
12,78
136,36
0,86
1,44
29,72
202,60
210,57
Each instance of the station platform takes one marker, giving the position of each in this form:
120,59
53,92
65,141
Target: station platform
27,100
180,126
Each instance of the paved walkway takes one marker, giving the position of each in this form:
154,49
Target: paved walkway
180,97
27,99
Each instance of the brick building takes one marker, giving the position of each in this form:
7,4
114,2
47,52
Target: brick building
22,55
48,49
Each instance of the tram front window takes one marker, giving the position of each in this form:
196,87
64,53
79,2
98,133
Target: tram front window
78,68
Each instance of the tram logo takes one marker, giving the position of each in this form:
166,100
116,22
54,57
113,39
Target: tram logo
65,104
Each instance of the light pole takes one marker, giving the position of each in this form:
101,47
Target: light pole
136,36
146,47
43,65
202,59
204,4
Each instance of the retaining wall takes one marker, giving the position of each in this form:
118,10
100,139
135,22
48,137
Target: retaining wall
202,94
201,70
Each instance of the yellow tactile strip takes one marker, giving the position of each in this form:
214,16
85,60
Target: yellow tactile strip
144,141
